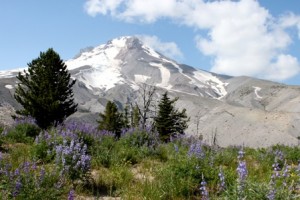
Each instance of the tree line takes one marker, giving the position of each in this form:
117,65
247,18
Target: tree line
45,93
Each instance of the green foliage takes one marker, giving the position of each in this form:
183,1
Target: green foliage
45,90
23,133
169,120
111,119
102,152
129,149
1,136
125,120
29,182
136,166
135,117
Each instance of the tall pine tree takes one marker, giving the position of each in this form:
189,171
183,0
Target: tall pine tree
169,121
111,119
45,90
135,117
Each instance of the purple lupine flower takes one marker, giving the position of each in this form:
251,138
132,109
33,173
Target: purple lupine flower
196,150
73,159
71,195
17,172
26,167
222,180
176,148
279,156
203,190
241,154
33,166
25,120
17,188
241,171
41,177
286,174
298,167
272,193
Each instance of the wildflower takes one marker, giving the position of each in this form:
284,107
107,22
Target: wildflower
279,157
203,189
17,188
17,172
33,166
196,150
241,154
176,148
26,167
71,195
222,180
242,172
286,174
42,176
73,159
272,193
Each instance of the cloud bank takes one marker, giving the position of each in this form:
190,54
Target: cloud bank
243,38
169,49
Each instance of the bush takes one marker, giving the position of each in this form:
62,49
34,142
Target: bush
73,159
23,133
30,182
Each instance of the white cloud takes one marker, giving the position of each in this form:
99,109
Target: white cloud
94,7
243,37
169,49
285,66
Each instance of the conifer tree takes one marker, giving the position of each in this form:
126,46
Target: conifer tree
126,123
45,90
111,119
169,121
135,117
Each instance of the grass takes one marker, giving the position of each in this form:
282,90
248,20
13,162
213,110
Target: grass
37,164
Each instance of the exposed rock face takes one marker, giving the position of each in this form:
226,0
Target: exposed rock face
235,110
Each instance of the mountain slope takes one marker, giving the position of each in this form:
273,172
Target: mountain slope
237,110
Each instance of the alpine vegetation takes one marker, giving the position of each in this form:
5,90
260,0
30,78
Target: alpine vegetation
77,160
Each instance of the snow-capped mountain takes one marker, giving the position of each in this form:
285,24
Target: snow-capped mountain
126,60
235,110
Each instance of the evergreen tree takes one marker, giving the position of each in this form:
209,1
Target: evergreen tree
135,117
45,90
169,120
111,119
126,117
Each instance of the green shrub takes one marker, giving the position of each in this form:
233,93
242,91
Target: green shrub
102,152
23,133
28,181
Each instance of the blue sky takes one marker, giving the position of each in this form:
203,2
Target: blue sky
246,37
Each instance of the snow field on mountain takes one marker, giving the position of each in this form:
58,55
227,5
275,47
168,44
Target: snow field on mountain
256,90
216,84
105,71
9,87
141,78
165,76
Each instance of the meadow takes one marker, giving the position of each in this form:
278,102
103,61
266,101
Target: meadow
78,161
